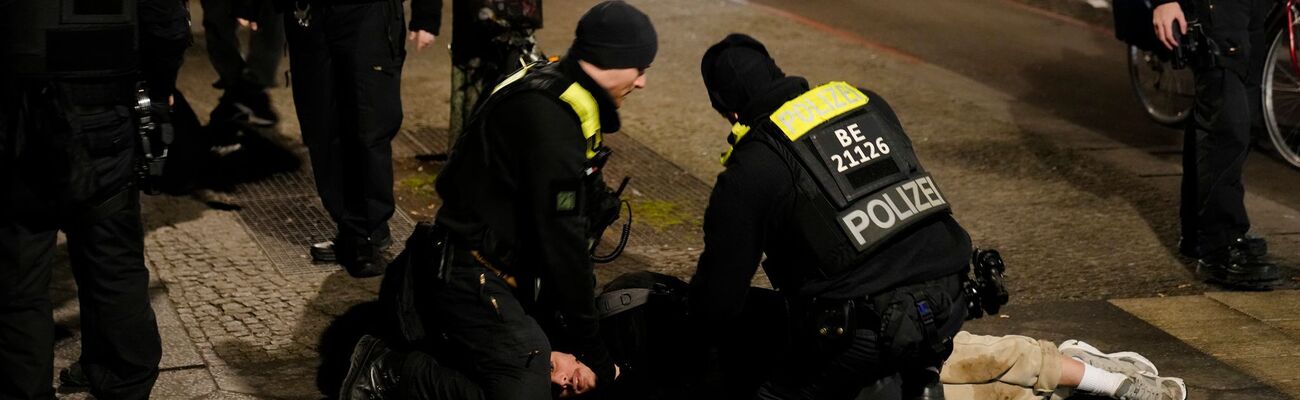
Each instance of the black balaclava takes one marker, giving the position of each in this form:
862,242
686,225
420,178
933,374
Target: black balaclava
737,70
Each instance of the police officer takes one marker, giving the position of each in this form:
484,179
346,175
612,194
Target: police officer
345,63
68,150
523,197
1227,73
858,236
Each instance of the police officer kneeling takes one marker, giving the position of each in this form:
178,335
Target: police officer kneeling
523,199
857,235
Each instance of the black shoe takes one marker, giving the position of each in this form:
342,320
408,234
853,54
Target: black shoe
73,377
257,106
370,376
363,258
1237,269
323,251
1251,245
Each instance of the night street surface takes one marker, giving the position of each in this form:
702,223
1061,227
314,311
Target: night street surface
1024,117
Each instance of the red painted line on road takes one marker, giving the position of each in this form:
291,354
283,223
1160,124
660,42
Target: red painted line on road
1058,17
843,34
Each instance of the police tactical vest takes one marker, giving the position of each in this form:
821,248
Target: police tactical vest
546,78
858,180
69,38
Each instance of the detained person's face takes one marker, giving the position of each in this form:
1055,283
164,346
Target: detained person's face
569,376
618,82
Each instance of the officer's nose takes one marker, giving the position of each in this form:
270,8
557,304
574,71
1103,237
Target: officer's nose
640,82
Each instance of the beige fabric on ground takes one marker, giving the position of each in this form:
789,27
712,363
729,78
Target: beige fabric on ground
1000,367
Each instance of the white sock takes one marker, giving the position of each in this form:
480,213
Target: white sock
1099,381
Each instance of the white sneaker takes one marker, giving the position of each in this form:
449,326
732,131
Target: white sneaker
1124,362
1150,387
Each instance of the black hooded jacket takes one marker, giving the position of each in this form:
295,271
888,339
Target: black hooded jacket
750,215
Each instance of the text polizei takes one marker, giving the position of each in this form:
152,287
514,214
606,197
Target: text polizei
878,215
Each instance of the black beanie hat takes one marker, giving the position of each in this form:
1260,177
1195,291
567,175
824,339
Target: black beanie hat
615,35
736,70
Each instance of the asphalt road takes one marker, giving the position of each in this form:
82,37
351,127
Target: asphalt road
1071,69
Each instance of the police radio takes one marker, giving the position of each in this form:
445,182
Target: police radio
155,136
985,288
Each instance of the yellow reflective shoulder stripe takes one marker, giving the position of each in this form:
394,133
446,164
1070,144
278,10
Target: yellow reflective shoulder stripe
584,104
823,103
738,132
513,78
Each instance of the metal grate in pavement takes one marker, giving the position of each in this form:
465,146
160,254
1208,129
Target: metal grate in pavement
284,227
278,186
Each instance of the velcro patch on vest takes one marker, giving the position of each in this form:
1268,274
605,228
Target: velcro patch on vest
882,214
815,107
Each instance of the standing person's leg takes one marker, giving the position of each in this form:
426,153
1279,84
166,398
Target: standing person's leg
265,49
26,319
223,43
120,345
266,45
1222,122
369,55
316,101
1221,125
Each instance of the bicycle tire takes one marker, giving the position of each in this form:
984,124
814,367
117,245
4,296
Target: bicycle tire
1281,101
1166,93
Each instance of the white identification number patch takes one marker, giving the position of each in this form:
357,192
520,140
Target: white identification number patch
857,148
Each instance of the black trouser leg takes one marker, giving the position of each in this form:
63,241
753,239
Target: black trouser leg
219,27
120,344
26,319
490,338
257,70
346,72
1219,134
369,58
423,379
319,112
265,49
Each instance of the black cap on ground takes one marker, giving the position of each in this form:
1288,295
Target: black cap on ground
736,70
615,35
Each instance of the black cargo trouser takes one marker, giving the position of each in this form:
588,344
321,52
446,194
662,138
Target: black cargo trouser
257,70
1218,136
346,68
73,177
890,339
488,347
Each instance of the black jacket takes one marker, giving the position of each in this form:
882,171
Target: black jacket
500,190
750,215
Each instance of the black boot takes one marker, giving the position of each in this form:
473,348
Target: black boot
1238,268
362,257
373,373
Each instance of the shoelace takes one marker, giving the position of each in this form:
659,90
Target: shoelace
1142,389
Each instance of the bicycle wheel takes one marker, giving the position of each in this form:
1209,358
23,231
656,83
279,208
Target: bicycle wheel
1281,92
1165,92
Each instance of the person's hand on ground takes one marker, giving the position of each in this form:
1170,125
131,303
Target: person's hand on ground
570,375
